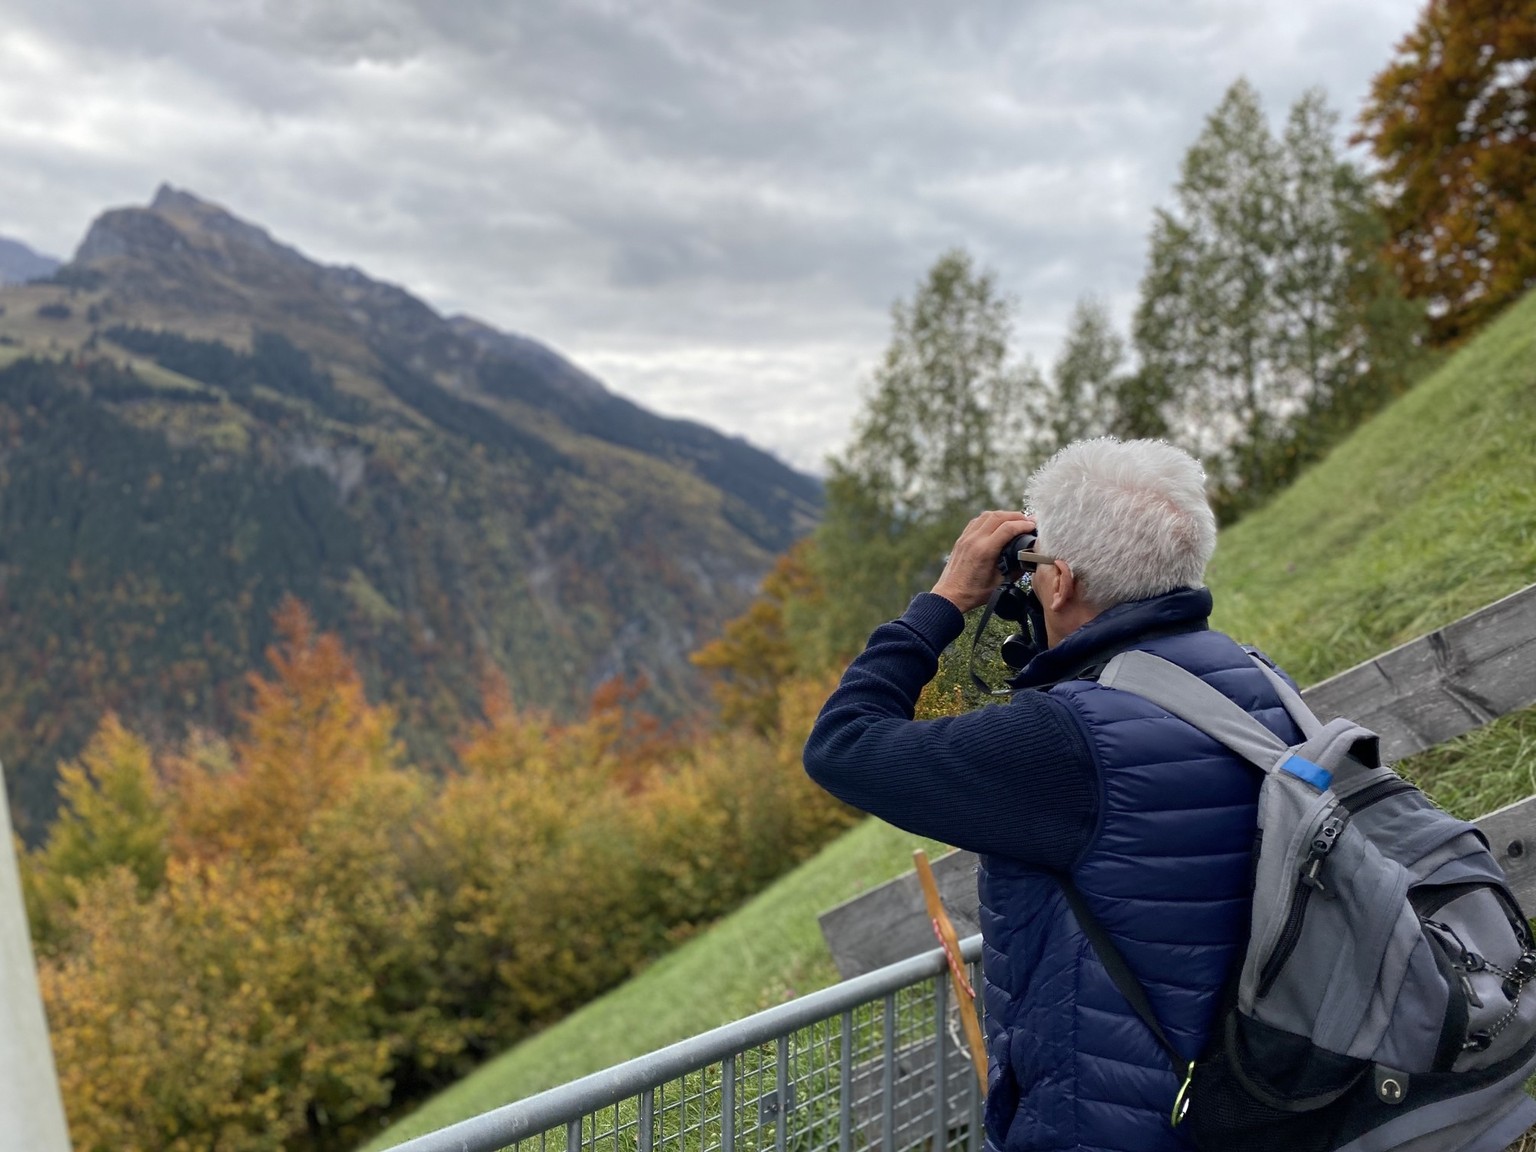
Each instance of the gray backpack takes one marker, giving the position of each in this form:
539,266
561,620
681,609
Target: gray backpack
1381,1002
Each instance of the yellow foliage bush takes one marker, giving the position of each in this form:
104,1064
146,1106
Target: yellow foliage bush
111,815
223,1011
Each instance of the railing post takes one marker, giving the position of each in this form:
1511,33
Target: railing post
781,1087
888,1079
647,1120
845,1082
940,1043
727,1103
31,1107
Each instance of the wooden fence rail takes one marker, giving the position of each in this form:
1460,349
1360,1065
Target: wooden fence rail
1418,695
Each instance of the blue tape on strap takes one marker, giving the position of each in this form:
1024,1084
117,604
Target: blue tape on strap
1314,774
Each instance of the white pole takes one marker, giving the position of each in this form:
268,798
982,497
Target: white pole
31,1108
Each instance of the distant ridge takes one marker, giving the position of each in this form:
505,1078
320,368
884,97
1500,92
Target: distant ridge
217,421
18,263
195,260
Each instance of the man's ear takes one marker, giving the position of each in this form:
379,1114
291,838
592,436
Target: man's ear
1065,590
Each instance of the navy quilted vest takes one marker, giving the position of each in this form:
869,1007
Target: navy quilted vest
1072,1067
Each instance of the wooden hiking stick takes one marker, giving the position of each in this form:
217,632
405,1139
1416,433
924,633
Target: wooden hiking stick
964,993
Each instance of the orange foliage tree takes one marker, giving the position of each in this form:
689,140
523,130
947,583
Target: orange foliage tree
309,736
571,854
1452,121
755,653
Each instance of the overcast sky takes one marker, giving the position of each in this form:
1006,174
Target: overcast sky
709,205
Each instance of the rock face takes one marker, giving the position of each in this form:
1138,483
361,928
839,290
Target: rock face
218,422
18,263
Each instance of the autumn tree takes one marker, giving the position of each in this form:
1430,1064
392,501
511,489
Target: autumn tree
288,912
223,1010
306,932
310,734
756,652
111,815
559,872
1451,121
312,795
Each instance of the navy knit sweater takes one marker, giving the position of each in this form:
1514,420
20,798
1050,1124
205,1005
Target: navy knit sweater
1014,780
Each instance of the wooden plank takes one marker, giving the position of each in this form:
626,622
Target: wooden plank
1511,832
890,923
944,929
1444,684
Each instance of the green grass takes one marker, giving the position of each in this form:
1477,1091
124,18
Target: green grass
1425,514
768,951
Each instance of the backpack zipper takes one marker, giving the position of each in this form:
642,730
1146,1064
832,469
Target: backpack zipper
1308,881
1375,793
1288,937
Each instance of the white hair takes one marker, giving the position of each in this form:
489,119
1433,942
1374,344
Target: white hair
1131,518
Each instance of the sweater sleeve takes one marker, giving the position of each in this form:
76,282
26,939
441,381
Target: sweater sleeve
1014,780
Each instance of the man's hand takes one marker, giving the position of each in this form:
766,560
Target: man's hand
971,572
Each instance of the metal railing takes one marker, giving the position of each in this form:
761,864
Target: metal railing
857,1065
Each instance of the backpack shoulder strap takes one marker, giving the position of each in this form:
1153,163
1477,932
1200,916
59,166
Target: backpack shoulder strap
1303,716
1325,743
1195,702
1129,985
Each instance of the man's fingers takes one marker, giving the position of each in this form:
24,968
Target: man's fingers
1005,530
971,571
997,527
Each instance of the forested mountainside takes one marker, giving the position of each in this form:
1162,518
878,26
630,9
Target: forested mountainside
197,421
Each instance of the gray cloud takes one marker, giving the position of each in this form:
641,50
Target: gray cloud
711,205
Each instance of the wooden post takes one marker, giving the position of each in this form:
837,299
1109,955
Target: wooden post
963,992
31,1108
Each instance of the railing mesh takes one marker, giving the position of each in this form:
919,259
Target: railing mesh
887,1073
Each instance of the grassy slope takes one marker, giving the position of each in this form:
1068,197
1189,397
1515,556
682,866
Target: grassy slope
1425,514
1422,516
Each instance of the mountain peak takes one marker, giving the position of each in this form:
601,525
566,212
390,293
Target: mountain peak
174,219
169,199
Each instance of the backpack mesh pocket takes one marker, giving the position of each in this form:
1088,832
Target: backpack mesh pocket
1296,1104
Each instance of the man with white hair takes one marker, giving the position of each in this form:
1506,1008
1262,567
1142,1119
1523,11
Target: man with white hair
1076,785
